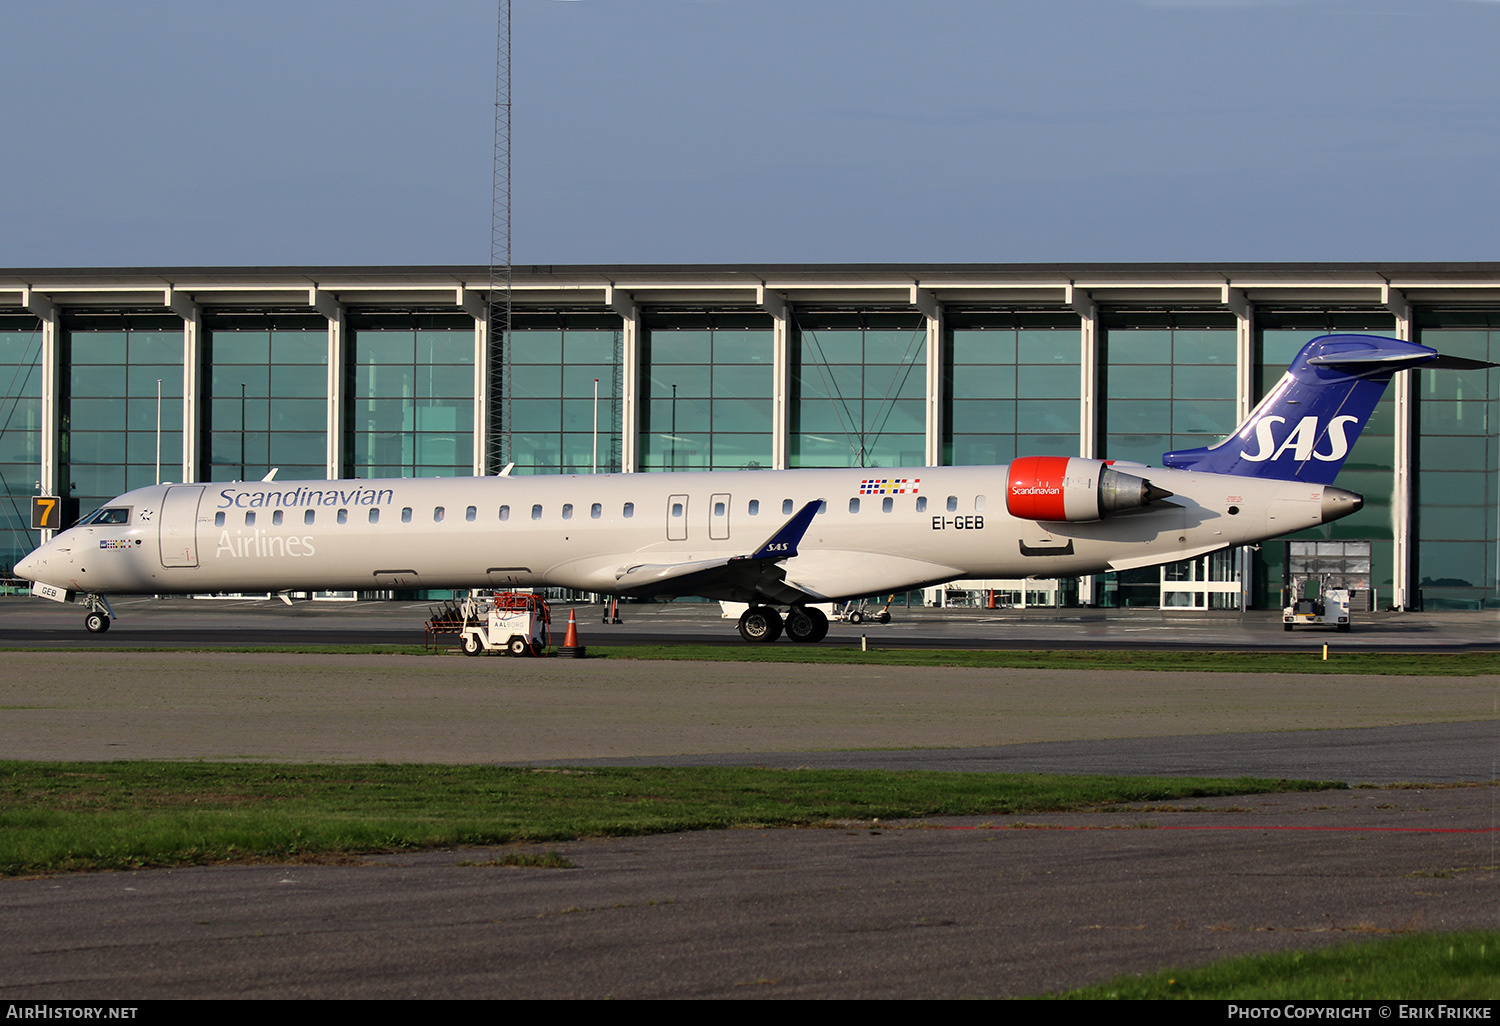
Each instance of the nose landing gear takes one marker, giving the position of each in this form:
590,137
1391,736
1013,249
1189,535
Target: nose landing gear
100,615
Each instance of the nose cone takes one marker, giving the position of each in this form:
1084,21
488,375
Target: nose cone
1339,502
29,566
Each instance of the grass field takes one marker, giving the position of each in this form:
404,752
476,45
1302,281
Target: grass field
1420,967
79,816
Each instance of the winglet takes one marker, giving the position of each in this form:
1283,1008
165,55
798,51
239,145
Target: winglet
783,544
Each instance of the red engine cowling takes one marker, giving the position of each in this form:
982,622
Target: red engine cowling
1074,490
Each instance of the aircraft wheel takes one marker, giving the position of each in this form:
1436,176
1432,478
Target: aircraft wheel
97,623
760,623
518,646
809,625
856,617
471,645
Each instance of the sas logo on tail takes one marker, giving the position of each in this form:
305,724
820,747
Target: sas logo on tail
1301,440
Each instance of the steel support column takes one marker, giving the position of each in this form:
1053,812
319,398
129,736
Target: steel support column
1244,396
781,375
932,310
630,376
192,381
333,310
50,481
1403,485
477,308
1087,310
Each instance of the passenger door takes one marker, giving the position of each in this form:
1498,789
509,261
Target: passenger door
718,517
177,530
677,509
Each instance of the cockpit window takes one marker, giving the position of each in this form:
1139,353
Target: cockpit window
107,515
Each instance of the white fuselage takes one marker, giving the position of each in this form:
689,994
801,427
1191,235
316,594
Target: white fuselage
912,527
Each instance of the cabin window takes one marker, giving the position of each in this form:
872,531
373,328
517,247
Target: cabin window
786,507
886,504
677,509
471,514
343,516
504,512
755,507
276,518
375,515
853,505
219,519
953,504
567,511
921,504
718,509
596,511
406,514
309,516
629,510
979,504
536,512
438,513
250,518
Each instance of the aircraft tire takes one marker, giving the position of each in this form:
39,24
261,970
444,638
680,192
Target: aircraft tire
96,623
471,645
760,623
856,617
806,625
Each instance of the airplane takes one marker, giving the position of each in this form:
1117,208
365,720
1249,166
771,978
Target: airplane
777,540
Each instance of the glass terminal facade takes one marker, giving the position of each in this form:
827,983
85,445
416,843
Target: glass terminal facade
394,373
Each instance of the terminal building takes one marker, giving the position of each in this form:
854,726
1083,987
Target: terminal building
117,378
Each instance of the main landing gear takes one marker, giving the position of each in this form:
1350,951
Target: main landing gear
99,616
802,623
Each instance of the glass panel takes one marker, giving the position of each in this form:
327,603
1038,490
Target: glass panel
708,390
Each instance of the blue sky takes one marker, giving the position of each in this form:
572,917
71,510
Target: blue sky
724,131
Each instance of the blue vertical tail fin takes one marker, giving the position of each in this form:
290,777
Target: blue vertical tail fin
1304,428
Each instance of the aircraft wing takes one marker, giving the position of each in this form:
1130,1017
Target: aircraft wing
758,575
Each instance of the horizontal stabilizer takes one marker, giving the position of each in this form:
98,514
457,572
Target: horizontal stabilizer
1306,425
1460,363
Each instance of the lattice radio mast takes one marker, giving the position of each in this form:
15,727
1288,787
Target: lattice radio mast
499,309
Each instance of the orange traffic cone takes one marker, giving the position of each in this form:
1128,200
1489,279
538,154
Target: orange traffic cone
571,649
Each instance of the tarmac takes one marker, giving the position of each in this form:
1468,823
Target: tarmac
940,908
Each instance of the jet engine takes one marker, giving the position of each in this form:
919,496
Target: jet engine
1074,490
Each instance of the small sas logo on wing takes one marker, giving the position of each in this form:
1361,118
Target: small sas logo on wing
889,485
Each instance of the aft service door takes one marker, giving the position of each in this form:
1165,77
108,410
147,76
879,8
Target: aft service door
178,527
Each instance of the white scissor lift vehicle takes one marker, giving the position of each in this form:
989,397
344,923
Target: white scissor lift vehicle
511,621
